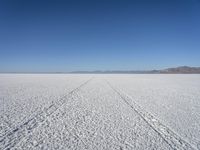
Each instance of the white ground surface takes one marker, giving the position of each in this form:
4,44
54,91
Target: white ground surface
99,111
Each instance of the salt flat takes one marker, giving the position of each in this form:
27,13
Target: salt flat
173,99
72,111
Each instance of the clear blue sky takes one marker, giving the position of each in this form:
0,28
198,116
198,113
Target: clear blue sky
69,35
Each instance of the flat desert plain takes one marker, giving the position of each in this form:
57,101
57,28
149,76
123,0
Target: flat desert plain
99,111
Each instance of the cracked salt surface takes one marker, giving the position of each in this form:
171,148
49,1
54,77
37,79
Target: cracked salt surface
80,113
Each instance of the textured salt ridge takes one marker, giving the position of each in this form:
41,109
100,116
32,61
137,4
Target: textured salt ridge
12,138
171,138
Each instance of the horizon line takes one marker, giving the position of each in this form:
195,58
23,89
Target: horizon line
145,71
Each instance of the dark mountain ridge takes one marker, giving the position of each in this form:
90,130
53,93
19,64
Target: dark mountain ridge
182,69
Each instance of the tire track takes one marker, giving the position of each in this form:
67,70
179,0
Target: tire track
12,138
170,137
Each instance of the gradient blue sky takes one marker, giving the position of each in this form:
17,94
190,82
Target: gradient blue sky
69,35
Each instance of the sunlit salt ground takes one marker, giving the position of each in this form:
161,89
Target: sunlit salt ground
71,111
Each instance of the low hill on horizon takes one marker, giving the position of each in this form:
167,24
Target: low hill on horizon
182,69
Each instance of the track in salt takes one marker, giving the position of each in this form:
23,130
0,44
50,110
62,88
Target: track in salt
170,137
12,138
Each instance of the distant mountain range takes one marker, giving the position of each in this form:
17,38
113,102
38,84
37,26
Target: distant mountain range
177,70
182,69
